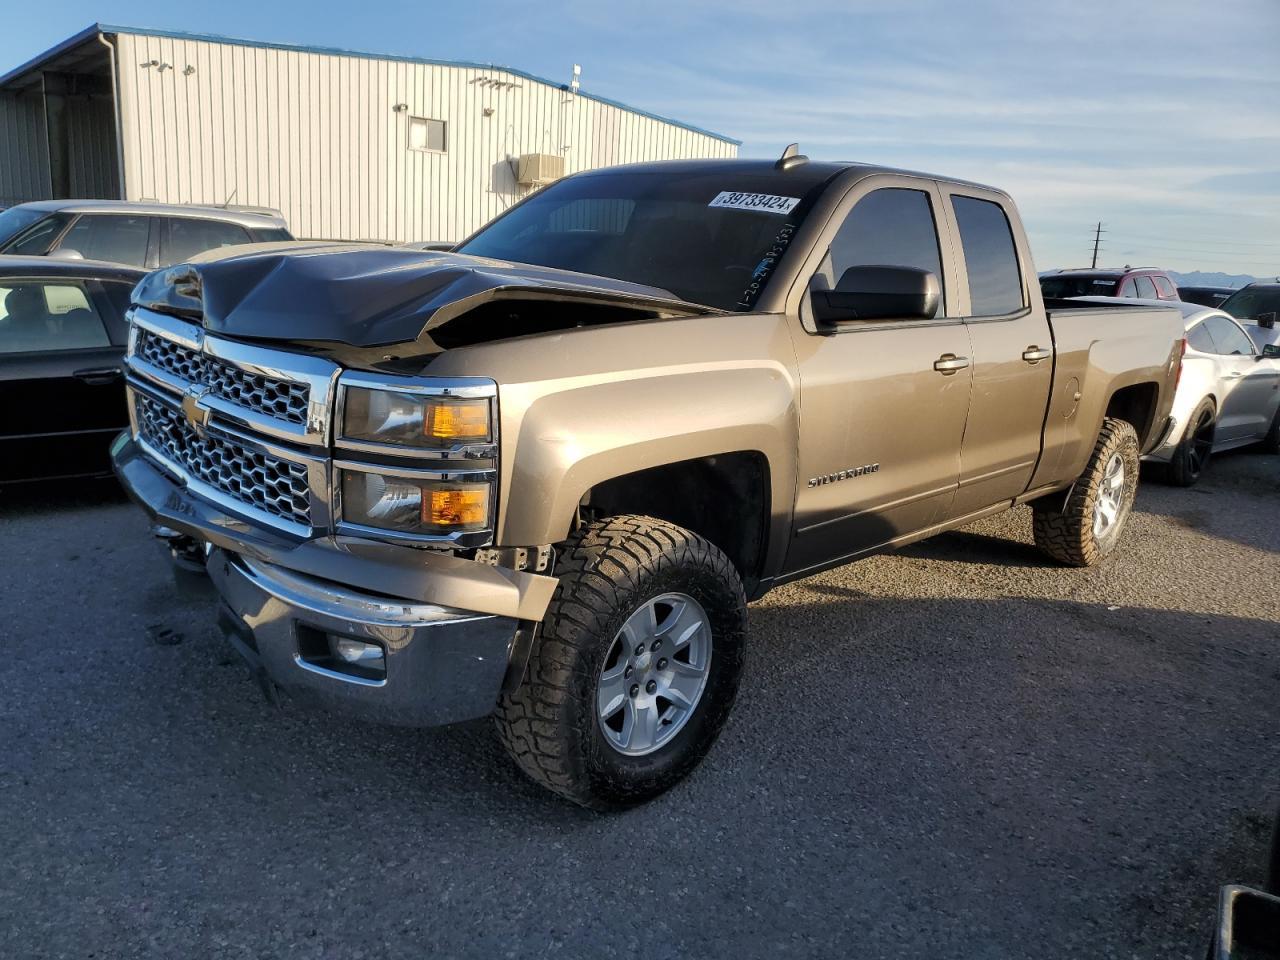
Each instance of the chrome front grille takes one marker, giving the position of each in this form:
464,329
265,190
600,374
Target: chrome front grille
256,479
279,399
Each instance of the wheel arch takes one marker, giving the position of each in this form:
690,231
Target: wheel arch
727,498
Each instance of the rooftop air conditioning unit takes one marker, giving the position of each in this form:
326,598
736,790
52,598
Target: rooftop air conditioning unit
539,169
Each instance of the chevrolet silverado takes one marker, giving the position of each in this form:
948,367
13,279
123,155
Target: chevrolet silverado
541,475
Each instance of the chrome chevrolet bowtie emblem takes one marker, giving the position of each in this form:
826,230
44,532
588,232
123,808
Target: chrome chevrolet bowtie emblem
197,414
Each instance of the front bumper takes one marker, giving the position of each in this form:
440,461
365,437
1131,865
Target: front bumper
449,627
441,665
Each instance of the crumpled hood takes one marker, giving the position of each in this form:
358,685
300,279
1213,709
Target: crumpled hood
367,296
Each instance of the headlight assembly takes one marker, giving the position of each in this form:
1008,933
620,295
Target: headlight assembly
412,419
415,506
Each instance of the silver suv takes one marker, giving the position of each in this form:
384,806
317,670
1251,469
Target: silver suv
146,235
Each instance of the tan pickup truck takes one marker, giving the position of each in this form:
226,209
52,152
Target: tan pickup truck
541,475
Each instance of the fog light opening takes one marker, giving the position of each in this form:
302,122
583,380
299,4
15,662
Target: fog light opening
341,654
355,651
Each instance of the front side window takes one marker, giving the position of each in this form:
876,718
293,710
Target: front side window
888,227
426,134
188,237
1164,288
1146,289
1127,289
991,259
35,240
111,237
1231,340
47,316
709,237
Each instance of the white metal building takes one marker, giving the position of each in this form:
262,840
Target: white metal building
348,145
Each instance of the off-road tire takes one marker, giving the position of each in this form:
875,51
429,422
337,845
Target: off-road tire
607,570
1064,527
1183,470
1271,444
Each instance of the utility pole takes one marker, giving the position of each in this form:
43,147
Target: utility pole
1097,238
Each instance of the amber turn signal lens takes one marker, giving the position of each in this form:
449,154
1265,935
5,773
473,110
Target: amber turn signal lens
457,420
457,508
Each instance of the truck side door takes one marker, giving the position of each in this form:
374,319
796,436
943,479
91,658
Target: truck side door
880,424
1012,350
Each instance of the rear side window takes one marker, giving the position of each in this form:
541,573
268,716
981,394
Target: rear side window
111,237
889,227
187,237
44,317
37,238
1231,340
1146,289
1164,288
1198,338
995,280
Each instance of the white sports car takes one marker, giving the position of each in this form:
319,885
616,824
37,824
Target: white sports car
1228,395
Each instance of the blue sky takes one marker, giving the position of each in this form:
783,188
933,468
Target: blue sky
1160,118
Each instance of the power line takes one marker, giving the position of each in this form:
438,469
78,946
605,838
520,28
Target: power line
1216,240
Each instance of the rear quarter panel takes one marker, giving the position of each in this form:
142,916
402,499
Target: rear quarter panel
584,406
1099,352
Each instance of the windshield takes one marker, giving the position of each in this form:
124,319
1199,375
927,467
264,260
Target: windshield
710,237
1252,302
1059,287
15,218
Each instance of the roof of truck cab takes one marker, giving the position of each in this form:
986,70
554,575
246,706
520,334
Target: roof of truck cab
806,171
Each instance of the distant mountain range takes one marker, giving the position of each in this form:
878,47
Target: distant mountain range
1199,278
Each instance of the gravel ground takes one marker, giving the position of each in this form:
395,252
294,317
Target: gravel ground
955,751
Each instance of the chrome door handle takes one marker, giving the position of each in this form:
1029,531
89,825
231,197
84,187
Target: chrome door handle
1034,354
1233,376
949,363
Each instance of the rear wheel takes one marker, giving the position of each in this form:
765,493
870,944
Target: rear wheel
635,668
1085,526
1192,454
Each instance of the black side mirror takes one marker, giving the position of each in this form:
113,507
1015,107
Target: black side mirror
1270,352
880,293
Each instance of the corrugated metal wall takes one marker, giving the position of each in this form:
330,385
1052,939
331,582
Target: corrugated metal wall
317,136
24,151
91,148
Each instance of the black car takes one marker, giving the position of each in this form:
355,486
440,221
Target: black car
1206,296
62,341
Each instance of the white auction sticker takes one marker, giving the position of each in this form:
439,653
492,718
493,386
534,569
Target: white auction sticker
764,202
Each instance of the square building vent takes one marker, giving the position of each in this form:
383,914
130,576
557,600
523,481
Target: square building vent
538,169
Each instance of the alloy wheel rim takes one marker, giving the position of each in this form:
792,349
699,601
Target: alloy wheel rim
1108,507
654,674
1201,443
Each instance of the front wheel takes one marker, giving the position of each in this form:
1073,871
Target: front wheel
1084,528
635,668
1271,442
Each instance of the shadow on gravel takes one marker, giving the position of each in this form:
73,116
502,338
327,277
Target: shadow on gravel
1053,777
971,547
